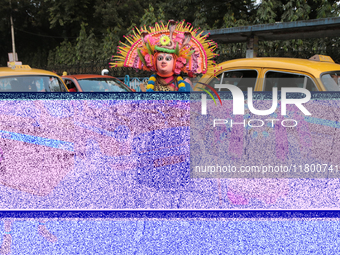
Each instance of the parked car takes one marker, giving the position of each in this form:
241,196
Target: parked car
94,83
23,78
318,73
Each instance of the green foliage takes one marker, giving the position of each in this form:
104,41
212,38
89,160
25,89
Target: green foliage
109,43
64,54
151,16
328,9
296,10
122,14
267,11
80,31
270,11
87,47
33,36
231,21
67,12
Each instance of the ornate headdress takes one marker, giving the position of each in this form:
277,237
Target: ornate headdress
192,51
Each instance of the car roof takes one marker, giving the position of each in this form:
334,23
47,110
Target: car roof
87,76
8,71
304,65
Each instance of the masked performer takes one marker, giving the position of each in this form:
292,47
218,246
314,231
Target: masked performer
167,51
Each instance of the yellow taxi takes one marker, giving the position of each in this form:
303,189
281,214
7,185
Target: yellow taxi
319,73
23,78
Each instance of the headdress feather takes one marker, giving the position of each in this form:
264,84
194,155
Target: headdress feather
178,38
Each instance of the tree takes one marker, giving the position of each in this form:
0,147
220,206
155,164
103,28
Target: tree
151,16
120,15
56,30
33,36
68,15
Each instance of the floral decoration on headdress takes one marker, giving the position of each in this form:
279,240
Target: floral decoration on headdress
192,51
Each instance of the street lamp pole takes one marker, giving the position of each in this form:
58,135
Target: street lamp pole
12,31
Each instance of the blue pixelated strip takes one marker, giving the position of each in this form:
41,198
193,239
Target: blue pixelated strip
171,214
323,122
95,129
37,140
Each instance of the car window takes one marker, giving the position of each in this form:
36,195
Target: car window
215,80
70,85
240,78
62,88
5,84
287,80
331,81
30,83
102,85
54,84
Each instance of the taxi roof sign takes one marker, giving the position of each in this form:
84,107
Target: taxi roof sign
22,67
322,58
13,63
18,66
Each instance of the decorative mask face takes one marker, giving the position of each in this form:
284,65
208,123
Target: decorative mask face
165,63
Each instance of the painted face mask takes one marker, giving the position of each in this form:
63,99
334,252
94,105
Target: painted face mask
167,50
164,64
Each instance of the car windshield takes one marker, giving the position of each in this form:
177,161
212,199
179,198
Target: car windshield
31,83
103,85
331,81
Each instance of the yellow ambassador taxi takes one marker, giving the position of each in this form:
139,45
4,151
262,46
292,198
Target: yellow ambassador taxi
23,78
319,73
